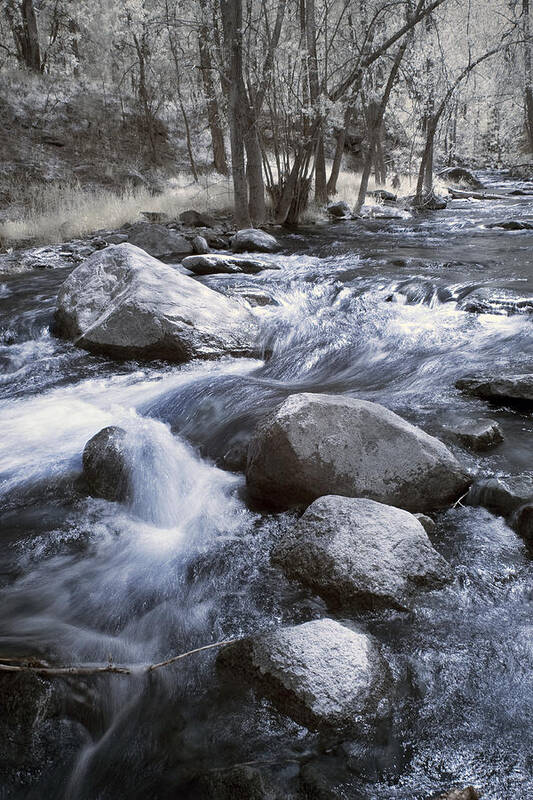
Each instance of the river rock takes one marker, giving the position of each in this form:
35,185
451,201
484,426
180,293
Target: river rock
321,673
250,240
256,297
460,794
513,388
218,263
478,434
339,210
359,554
123,303
461,175
427,523
197,219
489,301
315,445
105,467
116,238
385,196
522,522
502,495
511,225
159,241
200,246
237,783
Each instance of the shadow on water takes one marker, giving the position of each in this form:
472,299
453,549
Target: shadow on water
372,309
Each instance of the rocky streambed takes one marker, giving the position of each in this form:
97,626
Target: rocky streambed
318,453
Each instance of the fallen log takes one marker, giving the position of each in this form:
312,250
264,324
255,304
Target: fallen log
460,194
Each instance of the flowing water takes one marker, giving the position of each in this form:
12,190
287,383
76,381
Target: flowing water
369,309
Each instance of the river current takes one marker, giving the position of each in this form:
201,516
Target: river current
371,309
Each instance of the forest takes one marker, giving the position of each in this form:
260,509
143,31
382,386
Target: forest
266,400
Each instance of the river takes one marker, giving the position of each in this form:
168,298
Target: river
369,309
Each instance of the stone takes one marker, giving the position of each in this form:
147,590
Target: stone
502,495
217,263
123,303
117,238
339,210
427,523
314,445
256,297
199,245
237,783
522,522
461,175
501,301
460,794
251,240
477,435
155,216
158,241
511,388
320,673
384,196
197,219
105,467
430,202
511,225
358,554
234,459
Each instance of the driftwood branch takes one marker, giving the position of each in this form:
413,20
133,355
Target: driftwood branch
18,665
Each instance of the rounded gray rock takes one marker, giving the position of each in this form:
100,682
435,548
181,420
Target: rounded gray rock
315,445
105,466
250,240
359,554
321,673
123,303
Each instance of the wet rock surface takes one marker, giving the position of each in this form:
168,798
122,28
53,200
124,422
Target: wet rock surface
215,263
477,434
105,465
124,303
314,445
502,495
361,554
321,673
512,388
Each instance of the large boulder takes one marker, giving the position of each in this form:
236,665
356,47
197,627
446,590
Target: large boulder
253,240
123,303
159,241
321,673
359,554
105,464
461,175
219,263
513,388
314,445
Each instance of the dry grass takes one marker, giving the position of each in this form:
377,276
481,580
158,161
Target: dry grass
59,212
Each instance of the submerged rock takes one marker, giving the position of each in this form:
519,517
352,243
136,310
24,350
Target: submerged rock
320,673
359,554
513,388
315,445
489,301
478,435
215,263
502,495
511,225
249,240
158,241
427,523
123,303
105,467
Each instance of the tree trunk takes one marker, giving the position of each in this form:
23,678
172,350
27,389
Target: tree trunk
25,33
254,171
321,192
528,73
213,114
232,24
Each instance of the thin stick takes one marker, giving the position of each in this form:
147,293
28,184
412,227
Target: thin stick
100,669
458,502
